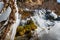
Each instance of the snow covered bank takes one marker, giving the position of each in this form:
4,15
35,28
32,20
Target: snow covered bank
47,29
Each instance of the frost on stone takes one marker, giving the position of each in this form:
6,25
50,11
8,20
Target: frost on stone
5,14
1,5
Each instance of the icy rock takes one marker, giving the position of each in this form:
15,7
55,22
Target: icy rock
1,5
5,14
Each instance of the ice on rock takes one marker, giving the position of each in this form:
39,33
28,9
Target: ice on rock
58,1
5,14
54,15
1,5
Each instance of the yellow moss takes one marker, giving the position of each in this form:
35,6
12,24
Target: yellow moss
29,27
21,33
20,28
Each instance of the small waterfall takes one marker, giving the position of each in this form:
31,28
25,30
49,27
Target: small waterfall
11,34
16,24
